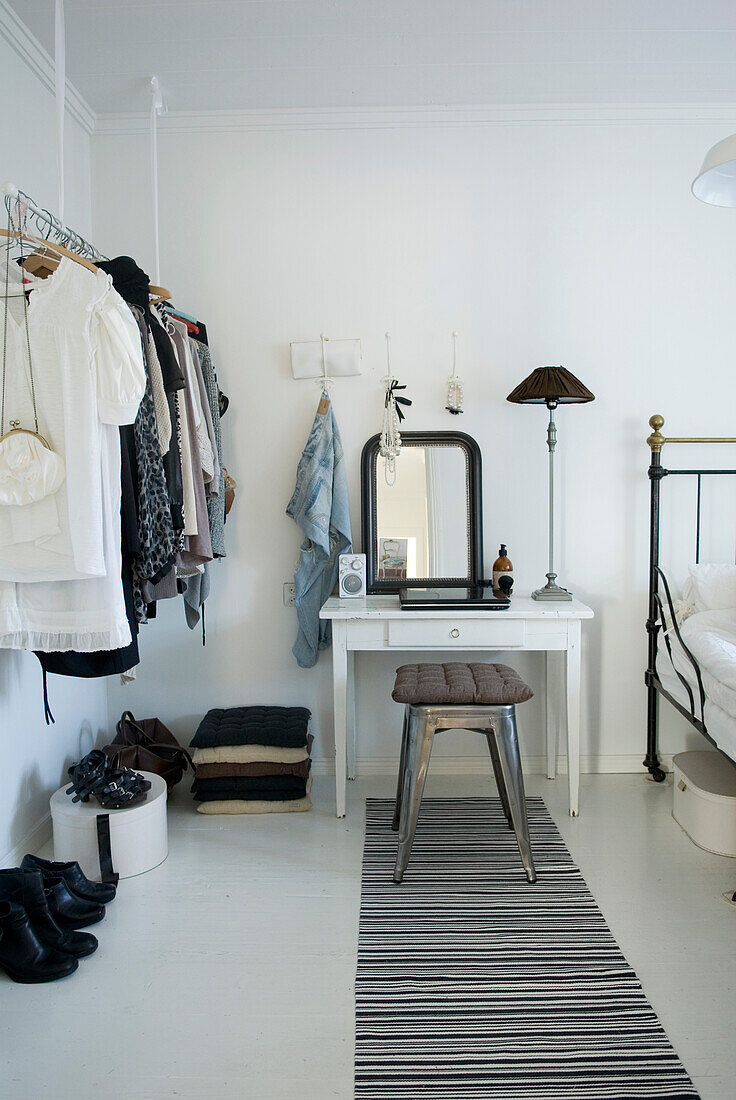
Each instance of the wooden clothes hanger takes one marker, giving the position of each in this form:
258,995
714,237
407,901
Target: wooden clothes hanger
160,294
39,262
61,249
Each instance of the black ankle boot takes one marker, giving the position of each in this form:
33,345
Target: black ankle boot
26,889
76,880
68,910
78,944
36,905
23,956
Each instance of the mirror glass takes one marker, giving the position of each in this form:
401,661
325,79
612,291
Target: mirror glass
422,520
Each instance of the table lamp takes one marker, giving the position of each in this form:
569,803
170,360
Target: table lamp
551,386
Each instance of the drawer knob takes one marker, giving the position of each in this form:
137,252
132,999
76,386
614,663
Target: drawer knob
454,633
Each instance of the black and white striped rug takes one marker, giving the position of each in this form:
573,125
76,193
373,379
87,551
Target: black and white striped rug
473,984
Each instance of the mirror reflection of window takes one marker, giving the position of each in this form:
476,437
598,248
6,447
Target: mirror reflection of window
422,519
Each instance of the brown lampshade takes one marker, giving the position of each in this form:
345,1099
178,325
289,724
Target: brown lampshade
550,384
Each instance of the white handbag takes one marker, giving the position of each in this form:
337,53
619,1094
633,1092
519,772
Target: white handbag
29,469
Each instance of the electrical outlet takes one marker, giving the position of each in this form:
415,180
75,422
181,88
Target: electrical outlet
289,594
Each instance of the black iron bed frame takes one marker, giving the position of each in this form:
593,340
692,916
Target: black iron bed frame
656,612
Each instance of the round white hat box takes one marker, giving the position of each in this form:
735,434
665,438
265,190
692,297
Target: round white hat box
138,835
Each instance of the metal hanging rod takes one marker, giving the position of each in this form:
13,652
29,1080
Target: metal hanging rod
21,206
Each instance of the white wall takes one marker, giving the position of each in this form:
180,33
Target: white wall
33,757
573,243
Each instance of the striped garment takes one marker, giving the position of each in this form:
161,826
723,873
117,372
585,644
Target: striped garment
474,985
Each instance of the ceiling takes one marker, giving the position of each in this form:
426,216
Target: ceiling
264,54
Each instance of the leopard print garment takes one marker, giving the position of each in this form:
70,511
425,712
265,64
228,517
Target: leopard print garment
155,527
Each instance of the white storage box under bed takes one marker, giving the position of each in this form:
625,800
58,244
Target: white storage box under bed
704,801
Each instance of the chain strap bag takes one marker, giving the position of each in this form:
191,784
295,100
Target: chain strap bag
148,746
29,469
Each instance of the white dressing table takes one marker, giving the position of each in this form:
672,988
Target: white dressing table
378,623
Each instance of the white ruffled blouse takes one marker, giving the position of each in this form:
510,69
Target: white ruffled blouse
60,557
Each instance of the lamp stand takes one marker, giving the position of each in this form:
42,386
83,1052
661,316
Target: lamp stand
551,590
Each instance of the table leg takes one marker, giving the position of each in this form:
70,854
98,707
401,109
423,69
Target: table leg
554,702
339,695
350,715
572,694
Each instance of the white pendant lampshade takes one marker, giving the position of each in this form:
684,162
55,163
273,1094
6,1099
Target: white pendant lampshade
716,183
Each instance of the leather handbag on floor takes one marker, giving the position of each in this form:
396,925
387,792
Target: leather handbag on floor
148,746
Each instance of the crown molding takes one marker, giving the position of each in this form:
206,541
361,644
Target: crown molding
32,53
41,64
378,118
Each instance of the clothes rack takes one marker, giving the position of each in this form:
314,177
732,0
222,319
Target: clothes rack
47,225
53,230
139,512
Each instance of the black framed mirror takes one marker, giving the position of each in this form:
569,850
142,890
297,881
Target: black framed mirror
427,526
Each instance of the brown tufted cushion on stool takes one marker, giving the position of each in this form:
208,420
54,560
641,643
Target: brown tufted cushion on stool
460,684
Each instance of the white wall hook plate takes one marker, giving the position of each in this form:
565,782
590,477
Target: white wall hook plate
343,358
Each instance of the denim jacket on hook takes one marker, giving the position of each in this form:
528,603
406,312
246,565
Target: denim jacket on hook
320,506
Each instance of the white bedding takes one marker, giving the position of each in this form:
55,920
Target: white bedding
711,638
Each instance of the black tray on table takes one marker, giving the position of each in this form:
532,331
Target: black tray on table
440,598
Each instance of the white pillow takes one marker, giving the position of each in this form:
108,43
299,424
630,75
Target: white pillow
712,587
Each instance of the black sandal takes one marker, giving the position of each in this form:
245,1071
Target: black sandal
113,788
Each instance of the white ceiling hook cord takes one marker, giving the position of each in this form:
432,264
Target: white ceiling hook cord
390,444
158,107
60,90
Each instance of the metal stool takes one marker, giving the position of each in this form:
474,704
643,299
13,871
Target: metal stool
496,720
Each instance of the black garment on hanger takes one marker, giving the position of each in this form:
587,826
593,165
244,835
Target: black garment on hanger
130,280
202,334
170,369
132,283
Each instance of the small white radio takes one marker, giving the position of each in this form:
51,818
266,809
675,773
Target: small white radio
352,576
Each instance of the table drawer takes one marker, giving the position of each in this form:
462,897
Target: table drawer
456,634
366,633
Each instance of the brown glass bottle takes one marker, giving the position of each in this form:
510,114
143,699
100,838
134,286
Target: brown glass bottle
503,574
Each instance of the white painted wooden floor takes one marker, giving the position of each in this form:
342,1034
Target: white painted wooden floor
228,971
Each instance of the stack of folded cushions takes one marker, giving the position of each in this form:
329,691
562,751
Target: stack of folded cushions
252,760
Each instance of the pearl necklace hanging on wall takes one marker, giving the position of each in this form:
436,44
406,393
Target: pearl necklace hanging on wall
390,446
454,385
